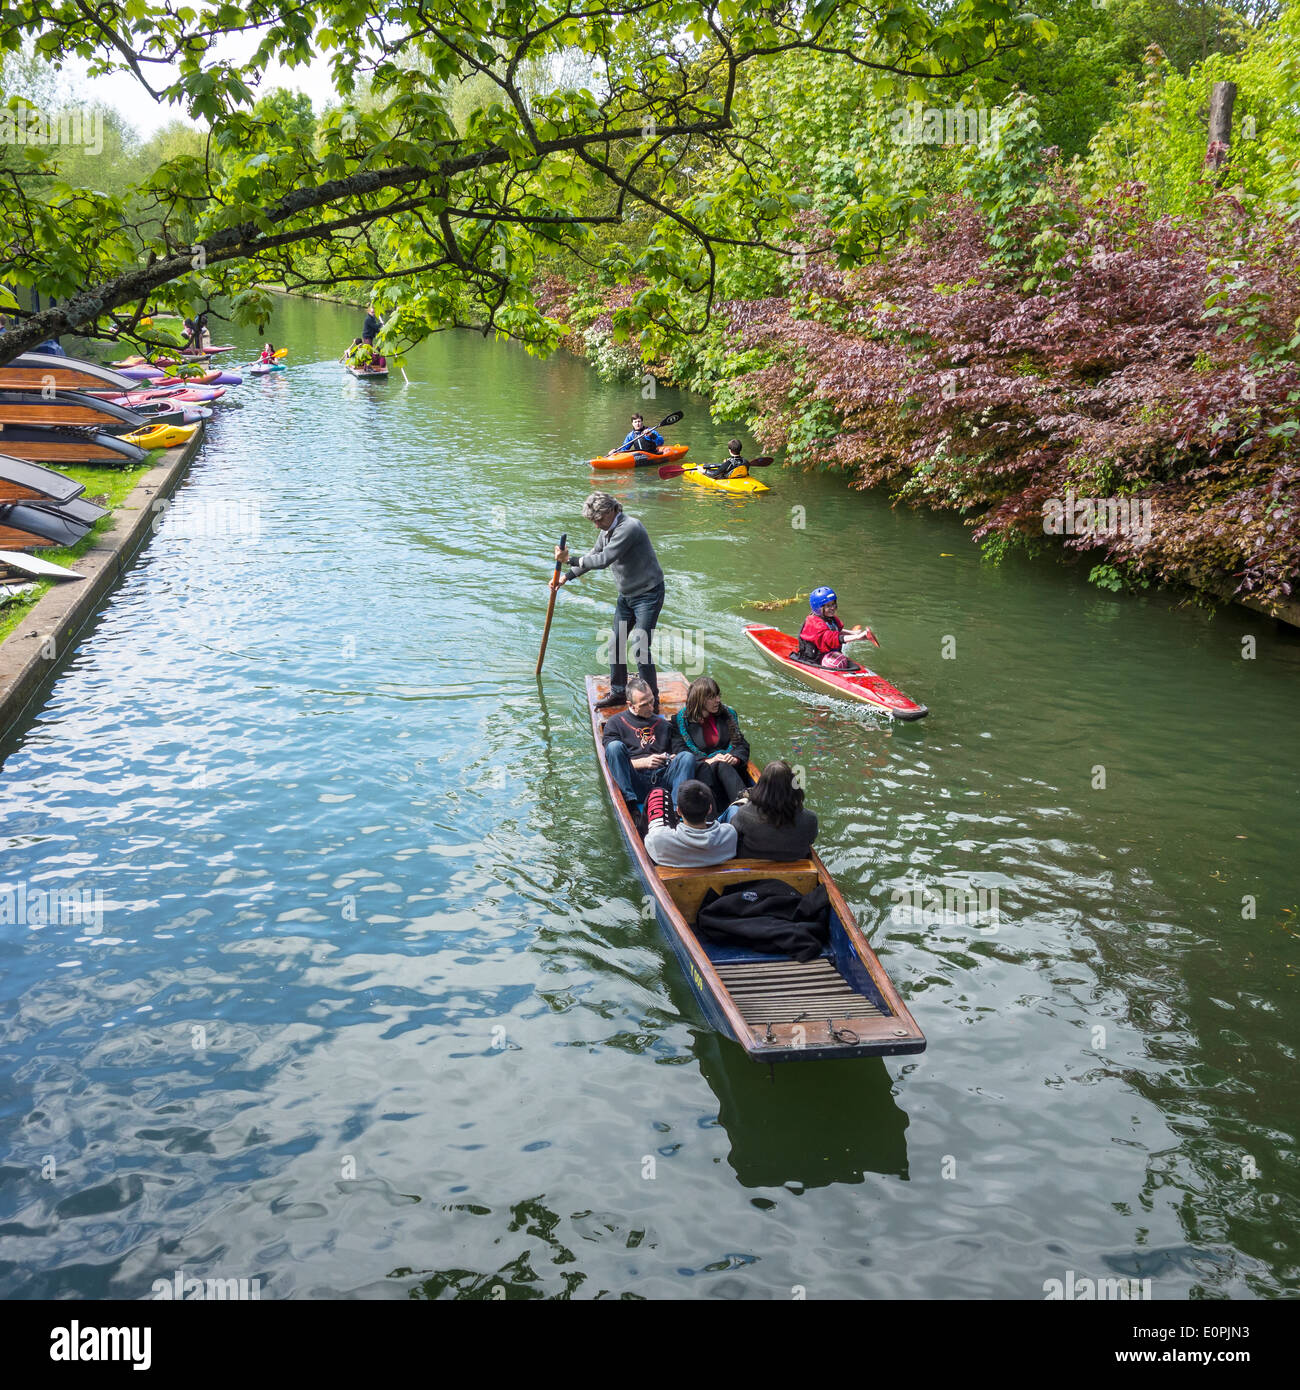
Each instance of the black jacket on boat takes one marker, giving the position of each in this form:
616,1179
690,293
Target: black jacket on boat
761,839
689,738
768,915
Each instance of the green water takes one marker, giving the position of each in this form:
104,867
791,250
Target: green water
342,834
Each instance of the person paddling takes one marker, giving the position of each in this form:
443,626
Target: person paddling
624,548
733,466
823,635
640,440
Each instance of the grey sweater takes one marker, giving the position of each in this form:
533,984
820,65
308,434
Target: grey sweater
625,550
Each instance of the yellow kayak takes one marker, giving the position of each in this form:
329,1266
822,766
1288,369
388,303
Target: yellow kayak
162,436
742,484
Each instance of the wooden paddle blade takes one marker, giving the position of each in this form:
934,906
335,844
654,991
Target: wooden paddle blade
671,470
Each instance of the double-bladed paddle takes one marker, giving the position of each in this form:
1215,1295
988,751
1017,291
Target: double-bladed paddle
663,424
675,470
550,609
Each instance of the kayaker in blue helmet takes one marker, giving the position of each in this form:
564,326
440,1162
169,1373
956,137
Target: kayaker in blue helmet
823,635
625,549
640,440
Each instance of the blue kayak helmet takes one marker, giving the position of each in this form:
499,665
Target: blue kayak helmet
820,597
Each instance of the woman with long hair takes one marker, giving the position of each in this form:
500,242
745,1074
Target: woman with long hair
772,821
709,729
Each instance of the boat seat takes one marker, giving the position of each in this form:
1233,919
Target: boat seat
688,886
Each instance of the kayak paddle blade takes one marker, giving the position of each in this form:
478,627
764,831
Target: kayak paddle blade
671,470
670,419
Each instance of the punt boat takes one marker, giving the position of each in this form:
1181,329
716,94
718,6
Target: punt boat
66,408
367,373
21,481
24,526
863,684
31,371
59,446
841,1004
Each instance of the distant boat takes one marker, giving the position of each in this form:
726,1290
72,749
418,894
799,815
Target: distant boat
34,370
21,481
59,446
365,372
66,408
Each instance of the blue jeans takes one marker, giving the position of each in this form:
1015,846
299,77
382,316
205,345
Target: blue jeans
636,783
637,616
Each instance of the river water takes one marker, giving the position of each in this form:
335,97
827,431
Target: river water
373,1009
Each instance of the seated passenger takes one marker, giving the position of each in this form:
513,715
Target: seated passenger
709,729
638,748
771,820
697,840
641,440
823,634
733,466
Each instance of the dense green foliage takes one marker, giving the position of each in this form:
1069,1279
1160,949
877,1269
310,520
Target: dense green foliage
747,200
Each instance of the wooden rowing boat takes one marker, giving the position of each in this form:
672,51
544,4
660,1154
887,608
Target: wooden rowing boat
842,1004
863,684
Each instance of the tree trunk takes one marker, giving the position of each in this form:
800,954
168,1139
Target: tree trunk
1221,99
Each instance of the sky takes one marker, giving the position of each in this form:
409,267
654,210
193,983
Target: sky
139,109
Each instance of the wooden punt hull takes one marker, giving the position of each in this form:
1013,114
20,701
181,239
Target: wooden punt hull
841,1005
33,370
68,446
66,408
21,481
27,527
864,685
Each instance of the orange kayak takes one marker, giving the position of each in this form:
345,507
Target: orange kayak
670,453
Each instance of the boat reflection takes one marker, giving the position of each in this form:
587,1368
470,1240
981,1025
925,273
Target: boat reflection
814,1123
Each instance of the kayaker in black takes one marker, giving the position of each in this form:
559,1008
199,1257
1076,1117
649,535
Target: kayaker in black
710,730
625,549
771,820
638,749
733,466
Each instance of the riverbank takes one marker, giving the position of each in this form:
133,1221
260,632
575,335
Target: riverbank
31,652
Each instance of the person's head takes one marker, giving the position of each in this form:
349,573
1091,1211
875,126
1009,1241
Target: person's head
356,342
775,796
695,802
733,447
640,698
822,602
370,308
703,699
601,509
637,422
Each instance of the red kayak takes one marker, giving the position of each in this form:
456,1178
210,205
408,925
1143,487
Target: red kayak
668,454
862,684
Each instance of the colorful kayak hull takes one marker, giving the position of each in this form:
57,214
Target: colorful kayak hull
865,685
737,486
168,436
669,454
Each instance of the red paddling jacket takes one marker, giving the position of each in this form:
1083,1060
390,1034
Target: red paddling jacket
819,636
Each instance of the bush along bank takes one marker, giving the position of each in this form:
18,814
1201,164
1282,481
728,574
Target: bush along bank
1076,373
